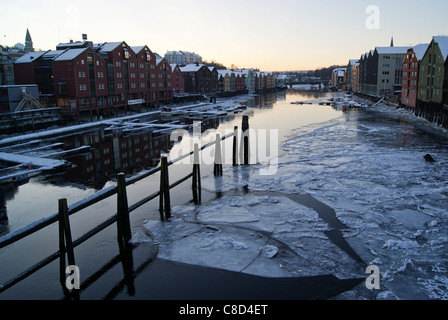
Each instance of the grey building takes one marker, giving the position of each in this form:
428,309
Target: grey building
381,71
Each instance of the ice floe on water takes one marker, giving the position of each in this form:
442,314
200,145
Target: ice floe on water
369,167
264,235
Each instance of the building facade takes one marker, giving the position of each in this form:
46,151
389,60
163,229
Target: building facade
182,58
353,75
411,66
178,83
199,79
432,92
339,78
381,71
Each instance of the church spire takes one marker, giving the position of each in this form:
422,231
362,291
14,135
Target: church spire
28,42
392,41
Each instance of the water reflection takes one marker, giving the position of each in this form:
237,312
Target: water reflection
112,153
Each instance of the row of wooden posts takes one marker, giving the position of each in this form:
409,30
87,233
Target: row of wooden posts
66,247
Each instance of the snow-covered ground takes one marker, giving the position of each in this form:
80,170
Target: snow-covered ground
368,166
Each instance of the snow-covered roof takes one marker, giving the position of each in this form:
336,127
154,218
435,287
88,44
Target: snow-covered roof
420,50
225,72
30,57
137,49
70,54
73,44
107,46
354,62
443,45
191,67
392,50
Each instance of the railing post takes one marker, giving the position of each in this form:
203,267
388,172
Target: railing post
235,147
65,243
123,224
196,184
217,170
164,200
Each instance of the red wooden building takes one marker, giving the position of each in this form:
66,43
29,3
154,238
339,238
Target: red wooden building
411,65
177,78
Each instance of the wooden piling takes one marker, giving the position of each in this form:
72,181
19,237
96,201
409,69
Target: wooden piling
196,183
217,170
123,223
164,199
235,147
245,129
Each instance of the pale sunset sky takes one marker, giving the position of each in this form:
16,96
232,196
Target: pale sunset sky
270,35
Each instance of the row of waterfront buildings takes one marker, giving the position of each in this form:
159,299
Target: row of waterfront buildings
416,77
85,76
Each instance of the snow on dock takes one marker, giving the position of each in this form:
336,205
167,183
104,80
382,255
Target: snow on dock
43,163
25,166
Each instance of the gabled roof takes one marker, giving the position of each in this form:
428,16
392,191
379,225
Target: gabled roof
137,49
30,57
52,54
225,72
70,54
191,67
106,46
420,50
443,45
392,50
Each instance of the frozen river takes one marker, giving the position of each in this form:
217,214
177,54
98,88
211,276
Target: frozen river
368,166
372,200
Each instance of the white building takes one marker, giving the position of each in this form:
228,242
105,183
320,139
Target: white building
182,58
